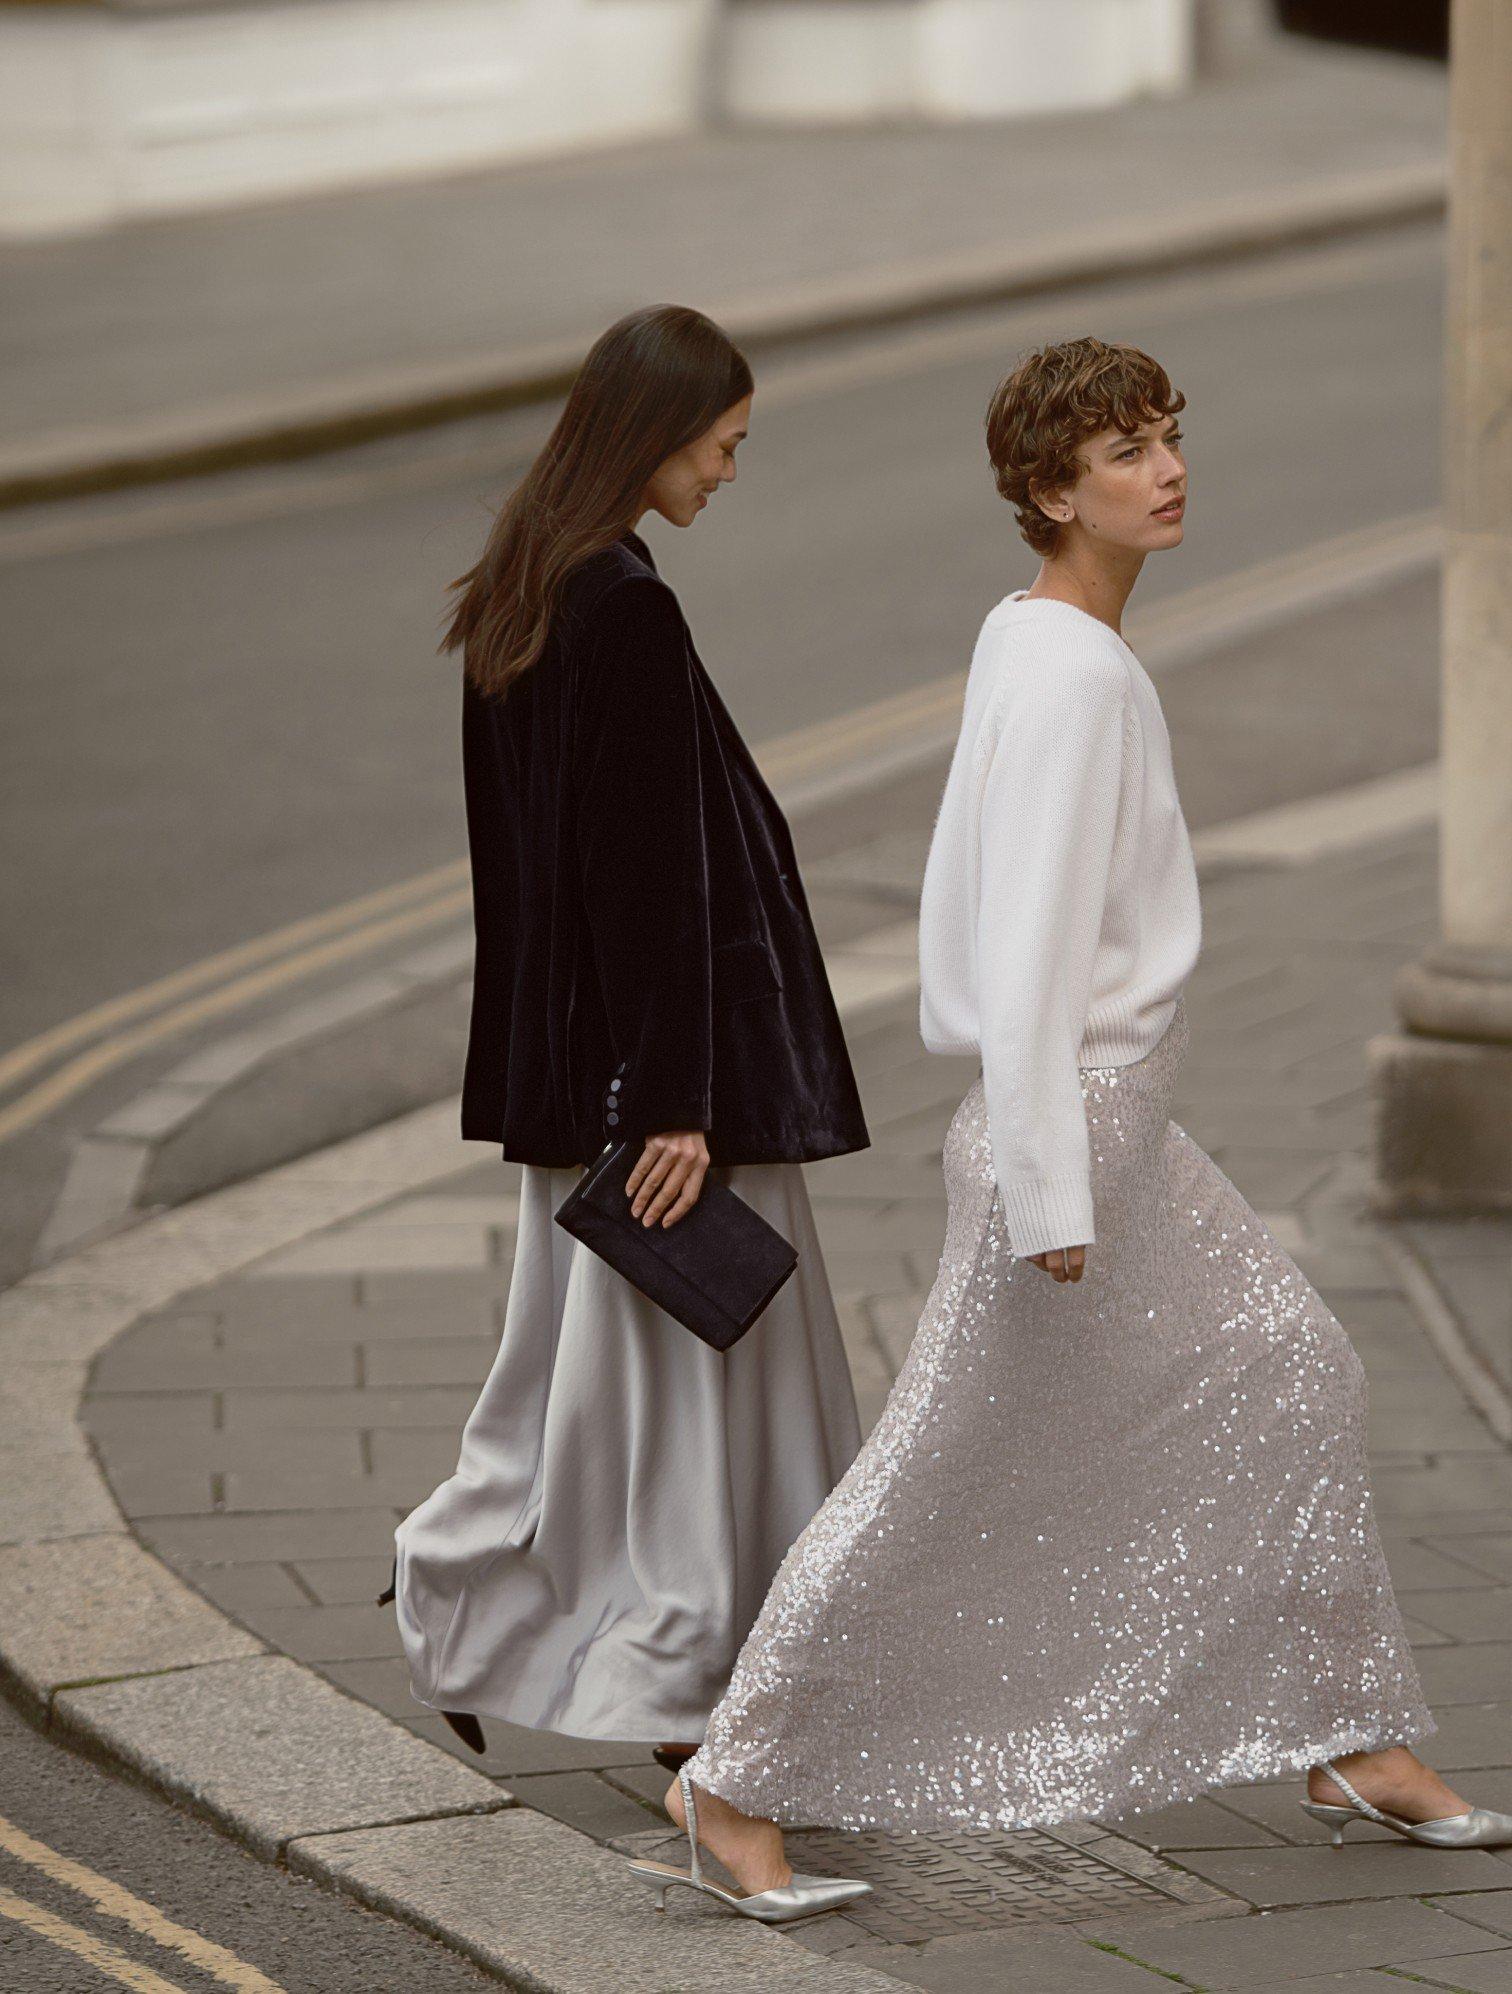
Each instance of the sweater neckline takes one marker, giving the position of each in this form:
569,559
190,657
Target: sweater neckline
1022,598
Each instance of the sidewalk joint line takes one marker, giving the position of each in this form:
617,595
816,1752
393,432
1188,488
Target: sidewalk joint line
1441,1326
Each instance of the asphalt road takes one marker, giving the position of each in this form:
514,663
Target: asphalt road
225,712
67,1935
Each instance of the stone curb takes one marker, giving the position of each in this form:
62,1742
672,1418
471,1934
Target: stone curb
112,1651
389,401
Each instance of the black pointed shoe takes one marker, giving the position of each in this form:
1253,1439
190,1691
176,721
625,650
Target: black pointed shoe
672,1757
468,1729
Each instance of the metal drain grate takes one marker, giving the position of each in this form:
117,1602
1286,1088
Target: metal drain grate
934,1886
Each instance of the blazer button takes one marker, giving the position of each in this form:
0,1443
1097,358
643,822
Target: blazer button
614,1086
614,1121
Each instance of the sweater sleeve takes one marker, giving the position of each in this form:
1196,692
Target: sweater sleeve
1049,815
643,858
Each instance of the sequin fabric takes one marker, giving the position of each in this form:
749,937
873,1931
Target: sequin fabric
1111,1541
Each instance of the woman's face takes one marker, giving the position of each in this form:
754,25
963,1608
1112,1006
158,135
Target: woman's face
685,481
1132,493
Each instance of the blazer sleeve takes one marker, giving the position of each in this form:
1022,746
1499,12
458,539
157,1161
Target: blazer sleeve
643,856
1049,816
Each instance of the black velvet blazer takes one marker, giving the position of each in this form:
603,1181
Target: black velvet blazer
646,959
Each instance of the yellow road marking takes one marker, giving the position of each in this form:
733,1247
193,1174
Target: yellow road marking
106,1959
118,1902
36,1052
79,1073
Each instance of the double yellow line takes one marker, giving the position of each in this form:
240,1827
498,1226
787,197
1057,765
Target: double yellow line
220,984
187,1947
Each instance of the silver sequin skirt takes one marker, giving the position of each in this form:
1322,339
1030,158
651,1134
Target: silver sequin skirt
1111,1541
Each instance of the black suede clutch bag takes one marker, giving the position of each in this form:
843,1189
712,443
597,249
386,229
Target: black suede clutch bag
714,1271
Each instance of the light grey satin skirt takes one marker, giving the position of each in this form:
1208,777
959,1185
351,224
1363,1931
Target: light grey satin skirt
1111,1541
624,1493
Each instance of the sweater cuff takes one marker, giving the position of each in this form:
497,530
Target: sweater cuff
1048,1212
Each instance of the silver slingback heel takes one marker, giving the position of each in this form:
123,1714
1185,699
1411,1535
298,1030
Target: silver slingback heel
802,1898
1479,1829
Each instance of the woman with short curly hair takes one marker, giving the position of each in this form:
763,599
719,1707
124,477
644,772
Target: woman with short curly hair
1112,1540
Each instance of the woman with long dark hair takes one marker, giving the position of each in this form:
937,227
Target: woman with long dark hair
646,967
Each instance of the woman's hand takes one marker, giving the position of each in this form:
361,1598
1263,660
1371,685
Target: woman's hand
1061,1263
665,1183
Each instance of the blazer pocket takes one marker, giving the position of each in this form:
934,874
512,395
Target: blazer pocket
743,970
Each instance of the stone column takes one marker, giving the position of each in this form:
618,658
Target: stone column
1443,1086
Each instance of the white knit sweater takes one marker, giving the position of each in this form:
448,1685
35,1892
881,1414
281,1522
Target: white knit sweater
1060,914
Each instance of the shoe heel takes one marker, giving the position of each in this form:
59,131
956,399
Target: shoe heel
1334,1819
657,1885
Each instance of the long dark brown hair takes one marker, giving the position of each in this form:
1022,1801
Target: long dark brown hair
651,385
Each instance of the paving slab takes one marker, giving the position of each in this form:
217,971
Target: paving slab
1012,1963
497,1889
271,1752
585,1801
1276,1805
1372,1982
452,1360
443,1406
1471,1734
1478,1673
1484,1614
158,1420
1451,1486
1490,1911
1488,1552
127,1368
1476,1973
244,1589
340,1581
1268,1878
251,1489
328,1633
1263,1952
218,1540
1195,1824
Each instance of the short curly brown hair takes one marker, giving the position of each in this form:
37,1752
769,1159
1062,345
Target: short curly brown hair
1055,399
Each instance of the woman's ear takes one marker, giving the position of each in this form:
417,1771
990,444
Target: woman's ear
1053,504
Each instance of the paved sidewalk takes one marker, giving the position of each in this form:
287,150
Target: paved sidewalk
180,343
264,1433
